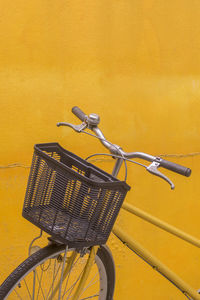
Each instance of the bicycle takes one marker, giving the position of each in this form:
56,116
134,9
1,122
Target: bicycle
77,203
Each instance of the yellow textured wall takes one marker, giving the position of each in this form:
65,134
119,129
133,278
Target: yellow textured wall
136,63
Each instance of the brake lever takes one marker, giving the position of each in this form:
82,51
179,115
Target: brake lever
153,169
77,128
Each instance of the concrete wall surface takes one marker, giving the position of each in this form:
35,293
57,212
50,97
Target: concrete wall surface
136,64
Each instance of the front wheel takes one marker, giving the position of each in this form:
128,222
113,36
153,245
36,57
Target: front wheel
54,273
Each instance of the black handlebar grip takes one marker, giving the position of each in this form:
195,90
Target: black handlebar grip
175,167
79,113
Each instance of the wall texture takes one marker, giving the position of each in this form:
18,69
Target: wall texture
136,63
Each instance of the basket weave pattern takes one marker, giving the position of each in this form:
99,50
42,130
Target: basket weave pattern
74,201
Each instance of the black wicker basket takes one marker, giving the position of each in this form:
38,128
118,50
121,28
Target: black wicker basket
71,199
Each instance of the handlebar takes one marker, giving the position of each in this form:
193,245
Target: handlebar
174,167
114,149
163,163
79,113
91,122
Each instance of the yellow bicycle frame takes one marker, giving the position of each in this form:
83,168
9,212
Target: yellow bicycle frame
145,254
148,257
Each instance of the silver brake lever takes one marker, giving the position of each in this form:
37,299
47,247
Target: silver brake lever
153,169
77,128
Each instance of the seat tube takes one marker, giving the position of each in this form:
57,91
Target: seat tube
117,167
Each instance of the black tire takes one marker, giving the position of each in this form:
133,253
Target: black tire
50,252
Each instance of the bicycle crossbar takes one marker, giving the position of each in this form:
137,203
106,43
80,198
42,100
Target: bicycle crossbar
161,224
155,263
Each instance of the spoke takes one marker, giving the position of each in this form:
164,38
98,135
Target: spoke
40,281
94,296
18,294
73,285
62,271
89,285
27,288
53,282
34,273
41,287
64,293
67,281
54,268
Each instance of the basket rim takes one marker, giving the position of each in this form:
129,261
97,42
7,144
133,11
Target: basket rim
115,184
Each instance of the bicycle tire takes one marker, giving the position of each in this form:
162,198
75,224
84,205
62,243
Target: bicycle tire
103,261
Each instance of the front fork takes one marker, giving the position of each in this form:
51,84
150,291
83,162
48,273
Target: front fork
68,267
86,272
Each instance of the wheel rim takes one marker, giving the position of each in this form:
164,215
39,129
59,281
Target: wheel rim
43,280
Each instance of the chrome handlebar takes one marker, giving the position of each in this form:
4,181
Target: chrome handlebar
91,122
